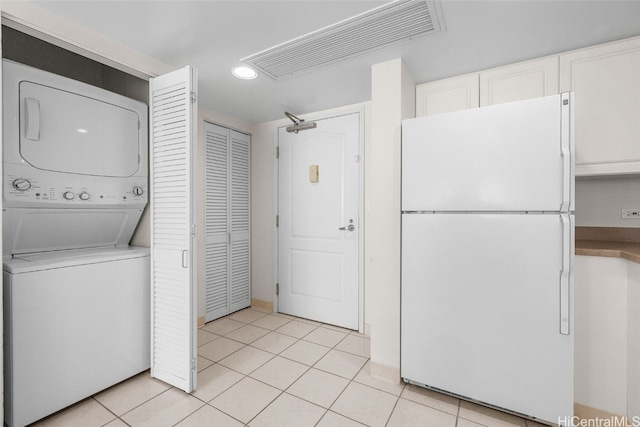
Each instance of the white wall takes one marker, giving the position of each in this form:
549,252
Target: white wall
599,201
263,231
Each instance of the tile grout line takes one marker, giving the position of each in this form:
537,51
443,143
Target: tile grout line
309,367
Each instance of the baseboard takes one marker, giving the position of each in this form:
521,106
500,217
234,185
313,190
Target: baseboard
598,417
200,322
265,305
384,372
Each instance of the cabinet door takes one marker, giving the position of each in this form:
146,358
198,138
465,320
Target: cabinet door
606,82
633,341
525,80
601,333
445,96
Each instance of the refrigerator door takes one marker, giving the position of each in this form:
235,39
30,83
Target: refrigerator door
483,301
507,157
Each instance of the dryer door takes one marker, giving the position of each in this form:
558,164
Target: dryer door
63,131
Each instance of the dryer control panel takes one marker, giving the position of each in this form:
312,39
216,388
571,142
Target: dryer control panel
26,187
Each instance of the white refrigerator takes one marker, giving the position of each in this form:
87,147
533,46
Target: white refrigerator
487,255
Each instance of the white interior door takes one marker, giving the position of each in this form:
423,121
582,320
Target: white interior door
319,221
173,294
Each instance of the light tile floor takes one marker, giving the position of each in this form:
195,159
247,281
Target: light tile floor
263,369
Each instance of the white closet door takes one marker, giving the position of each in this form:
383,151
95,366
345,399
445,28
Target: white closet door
173,293
216,221
240,270
227,221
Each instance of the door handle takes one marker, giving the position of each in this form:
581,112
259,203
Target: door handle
349,227
565,274
185,259
565,151
32,113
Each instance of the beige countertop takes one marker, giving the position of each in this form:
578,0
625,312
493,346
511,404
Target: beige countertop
609,242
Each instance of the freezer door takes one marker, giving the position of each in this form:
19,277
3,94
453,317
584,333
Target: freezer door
507,157
486,309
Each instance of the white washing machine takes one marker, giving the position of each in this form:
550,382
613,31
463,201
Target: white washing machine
78,322
76,296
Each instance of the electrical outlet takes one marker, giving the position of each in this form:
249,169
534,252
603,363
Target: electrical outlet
630,213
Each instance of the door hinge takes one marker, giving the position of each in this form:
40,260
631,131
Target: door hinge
277,221
277,152
193,97
193,364
277,288
193,230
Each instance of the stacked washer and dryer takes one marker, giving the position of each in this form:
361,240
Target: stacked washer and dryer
76,295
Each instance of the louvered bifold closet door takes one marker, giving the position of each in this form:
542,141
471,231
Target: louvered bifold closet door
240,271
227,221
173,308
216,221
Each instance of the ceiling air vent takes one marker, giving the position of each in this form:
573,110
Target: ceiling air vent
387,25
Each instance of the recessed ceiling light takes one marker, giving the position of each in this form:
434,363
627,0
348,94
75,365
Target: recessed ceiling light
243,72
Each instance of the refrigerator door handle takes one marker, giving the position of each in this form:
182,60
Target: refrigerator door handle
565,273
565,151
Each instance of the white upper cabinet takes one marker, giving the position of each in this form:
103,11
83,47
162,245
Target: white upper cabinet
606,82
445,96
524,80
517,82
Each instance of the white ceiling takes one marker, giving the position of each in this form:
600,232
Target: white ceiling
213,35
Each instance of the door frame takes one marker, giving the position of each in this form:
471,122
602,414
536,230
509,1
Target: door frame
360,110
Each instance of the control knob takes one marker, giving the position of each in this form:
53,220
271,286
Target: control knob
21,184
84,196
68,195
137,191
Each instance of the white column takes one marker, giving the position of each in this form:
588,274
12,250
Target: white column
393,99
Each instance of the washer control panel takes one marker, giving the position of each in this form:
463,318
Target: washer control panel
28,187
